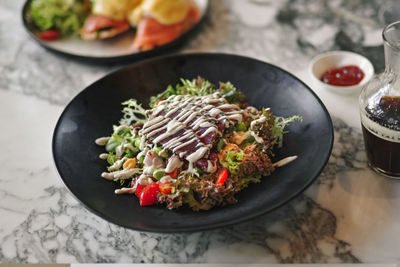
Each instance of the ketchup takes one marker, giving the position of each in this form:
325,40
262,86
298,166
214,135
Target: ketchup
343,76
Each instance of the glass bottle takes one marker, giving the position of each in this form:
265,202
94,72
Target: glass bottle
380,109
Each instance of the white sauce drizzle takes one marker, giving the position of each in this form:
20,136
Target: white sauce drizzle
167,179
256,137
102,141
129,145
119,150
142,153
119,128
143,180
125,190
211,168
173,163
152,162
198,116
284,161
117,165
260,120
103,156
122,174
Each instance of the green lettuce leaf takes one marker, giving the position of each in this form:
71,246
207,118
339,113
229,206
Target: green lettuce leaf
200,87
66,16
232,161
277,129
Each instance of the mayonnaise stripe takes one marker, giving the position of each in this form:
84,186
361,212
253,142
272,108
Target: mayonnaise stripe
187,125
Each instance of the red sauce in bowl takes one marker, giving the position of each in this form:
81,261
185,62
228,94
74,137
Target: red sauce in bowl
343,76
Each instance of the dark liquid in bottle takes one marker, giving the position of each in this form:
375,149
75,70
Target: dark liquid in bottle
383,155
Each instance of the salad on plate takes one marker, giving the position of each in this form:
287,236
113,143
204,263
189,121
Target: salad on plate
197,145
155,22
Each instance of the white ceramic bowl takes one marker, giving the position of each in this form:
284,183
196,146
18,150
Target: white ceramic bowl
337,59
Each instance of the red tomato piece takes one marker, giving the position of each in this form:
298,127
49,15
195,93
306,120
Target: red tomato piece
165,188
48,35
139,189
174,173
222,176
148,196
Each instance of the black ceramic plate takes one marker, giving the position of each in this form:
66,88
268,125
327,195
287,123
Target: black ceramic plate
114,49
92,113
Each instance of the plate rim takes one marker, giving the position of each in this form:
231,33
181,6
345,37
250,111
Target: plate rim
120,58
216,225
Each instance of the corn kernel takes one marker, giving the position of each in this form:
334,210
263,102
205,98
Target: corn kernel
129,164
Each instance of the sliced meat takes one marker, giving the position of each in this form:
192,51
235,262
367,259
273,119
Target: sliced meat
189,125
151,33
101,27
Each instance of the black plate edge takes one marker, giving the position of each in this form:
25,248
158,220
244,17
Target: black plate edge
179,42
206,228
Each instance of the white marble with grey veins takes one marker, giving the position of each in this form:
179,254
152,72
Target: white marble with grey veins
348,215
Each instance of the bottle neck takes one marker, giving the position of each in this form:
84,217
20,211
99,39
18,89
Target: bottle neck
392,59
392,69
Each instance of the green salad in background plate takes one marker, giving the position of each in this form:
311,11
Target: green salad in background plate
55,18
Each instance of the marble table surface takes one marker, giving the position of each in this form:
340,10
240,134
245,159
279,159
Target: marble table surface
349,215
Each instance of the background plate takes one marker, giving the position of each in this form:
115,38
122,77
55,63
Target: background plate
92,113
118,48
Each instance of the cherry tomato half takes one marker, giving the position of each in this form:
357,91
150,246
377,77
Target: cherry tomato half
48,35
139,189
148,196
165,188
